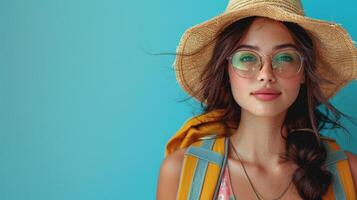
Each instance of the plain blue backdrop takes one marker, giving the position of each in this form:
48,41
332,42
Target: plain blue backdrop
86,111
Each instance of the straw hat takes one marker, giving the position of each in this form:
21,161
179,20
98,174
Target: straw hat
336,54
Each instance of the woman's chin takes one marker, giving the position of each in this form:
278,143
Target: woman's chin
267,112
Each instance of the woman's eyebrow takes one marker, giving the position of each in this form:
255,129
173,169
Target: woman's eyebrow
281,46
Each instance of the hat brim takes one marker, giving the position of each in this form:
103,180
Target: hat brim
336,54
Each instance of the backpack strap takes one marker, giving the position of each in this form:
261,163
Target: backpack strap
202,168
205,155
333,157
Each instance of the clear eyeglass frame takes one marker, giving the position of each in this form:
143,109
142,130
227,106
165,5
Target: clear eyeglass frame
262,62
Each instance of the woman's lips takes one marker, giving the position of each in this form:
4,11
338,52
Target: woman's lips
266,96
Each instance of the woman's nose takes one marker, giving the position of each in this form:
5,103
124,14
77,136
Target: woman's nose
266,73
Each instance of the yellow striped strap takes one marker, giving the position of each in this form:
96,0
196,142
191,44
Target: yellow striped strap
204,154
333,157
202,169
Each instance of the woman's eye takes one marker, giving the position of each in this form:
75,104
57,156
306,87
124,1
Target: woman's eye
247,59
284,58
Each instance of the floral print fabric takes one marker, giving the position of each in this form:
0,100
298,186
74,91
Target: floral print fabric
225,189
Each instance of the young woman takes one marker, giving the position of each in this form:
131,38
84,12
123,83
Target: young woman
261,70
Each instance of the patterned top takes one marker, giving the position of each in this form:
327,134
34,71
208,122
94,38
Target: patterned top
225,189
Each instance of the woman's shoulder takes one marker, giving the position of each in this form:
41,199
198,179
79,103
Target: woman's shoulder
169,176
173,161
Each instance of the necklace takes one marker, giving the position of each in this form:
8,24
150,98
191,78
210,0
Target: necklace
257,194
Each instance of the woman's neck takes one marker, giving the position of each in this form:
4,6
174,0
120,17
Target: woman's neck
258,139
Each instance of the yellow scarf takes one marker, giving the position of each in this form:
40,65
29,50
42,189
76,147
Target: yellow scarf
199,126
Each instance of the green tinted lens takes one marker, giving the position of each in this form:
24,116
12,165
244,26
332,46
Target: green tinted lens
287,62
245,61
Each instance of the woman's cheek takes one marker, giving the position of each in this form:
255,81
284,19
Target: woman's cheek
293,89
240,90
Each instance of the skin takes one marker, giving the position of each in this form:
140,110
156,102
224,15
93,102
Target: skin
257,146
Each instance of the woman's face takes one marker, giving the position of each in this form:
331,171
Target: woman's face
265,34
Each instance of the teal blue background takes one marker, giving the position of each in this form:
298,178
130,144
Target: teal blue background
86,111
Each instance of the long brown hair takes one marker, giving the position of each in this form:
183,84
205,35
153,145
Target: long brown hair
311,110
